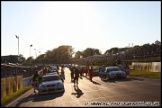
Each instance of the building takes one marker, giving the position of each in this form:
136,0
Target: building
9,59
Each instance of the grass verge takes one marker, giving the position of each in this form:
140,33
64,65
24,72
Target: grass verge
13,96
146,74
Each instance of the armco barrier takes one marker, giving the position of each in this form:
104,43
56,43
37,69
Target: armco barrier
10,85
147,66
27,81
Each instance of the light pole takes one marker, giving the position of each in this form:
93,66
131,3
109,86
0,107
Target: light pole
18,43
30,52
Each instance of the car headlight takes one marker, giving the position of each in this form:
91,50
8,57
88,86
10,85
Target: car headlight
41,86
59,84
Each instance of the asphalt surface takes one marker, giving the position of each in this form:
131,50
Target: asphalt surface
133,91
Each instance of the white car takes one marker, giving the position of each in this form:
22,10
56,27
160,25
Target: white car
52,72
112,72
51,83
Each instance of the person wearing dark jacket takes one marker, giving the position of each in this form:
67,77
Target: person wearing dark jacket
35,81
72,73
91,73
62,74
76,76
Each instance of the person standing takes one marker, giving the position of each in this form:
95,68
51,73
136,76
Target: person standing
44,70
91,73
57,70
123,67
62,74
76,76
35,81
72,73
41,74
86,71
103,68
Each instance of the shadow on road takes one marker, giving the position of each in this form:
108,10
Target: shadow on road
45,97
78,92
23,100
96,83
121,80
38,97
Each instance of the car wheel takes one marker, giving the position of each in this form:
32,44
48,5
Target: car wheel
107,77
102,78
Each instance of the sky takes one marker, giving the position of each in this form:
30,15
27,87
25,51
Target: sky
80,24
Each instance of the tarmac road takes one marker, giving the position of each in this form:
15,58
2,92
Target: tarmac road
133,91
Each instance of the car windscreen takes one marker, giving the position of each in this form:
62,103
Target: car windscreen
50,78
51,71
95,70
54,70
113,69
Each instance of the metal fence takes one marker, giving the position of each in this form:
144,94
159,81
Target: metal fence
147,66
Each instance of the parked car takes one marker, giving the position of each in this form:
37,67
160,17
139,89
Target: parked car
112,72
54,71
95,71
51,83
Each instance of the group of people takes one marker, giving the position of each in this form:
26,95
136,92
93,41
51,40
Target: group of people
77,73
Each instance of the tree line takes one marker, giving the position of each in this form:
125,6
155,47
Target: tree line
65,53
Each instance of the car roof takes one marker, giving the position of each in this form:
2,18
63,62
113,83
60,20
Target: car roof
112,67
47,75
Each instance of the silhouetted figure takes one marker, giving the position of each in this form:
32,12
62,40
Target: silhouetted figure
45,70
76,76
86,71
62,74
57,70
35,81
91,73
72,69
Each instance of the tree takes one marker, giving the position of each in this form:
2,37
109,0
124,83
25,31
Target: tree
39,59
112,51
90,52
78,54
61,54
21,58
65,53
29,60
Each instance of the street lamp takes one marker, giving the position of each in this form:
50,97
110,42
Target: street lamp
30,52
18,43
30,49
